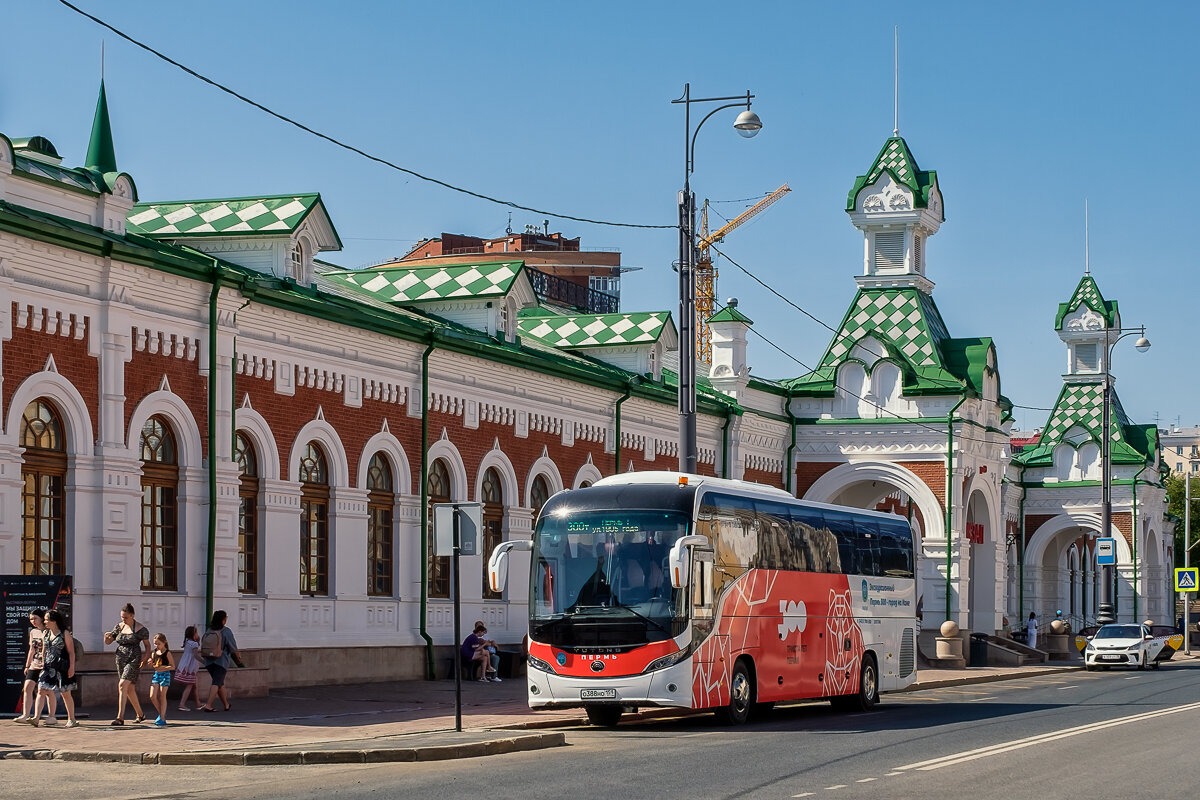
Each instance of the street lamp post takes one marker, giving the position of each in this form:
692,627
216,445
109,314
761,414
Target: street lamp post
1106,613
747,124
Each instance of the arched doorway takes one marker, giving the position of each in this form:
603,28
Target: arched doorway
983,609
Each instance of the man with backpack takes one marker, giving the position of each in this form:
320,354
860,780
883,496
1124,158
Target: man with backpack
218,648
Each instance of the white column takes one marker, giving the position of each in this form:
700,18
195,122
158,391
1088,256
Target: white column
348,543
279,539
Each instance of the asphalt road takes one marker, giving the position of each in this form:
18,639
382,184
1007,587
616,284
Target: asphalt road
1079,735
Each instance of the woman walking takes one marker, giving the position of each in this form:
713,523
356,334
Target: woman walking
219,649
58,671
33,665
128,634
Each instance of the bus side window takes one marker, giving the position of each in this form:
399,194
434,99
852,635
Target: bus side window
841,525
870,560
776,547
896,546
805,522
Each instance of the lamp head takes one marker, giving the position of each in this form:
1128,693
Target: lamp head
747,124
1142,344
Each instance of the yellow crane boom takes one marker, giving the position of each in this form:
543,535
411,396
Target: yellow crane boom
706,273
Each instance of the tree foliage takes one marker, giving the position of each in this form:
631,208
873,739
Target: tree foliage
1175,498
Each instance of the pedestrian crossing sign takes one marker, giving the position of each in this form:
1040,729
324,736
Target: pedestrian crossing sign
1187,579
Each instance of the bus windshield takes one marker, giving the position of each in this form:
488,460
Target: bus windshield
599,578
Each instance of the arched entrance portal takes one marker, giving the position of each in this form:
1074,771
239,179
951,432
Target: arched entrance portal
983,611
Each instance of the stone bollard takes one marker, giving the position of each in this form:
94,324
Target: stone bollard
948,644
1058,640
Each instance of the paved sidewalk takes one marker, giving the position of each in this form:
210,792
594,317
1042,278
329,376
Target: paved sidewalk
398,721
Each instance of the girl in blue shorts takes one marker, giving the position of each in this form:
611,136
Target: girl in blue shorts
162,662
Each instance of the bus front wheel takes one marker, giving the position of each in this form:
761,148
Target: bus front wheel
604,716
741,697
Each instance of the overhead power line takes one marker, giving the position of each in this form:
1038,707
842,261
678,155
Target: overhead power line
350,147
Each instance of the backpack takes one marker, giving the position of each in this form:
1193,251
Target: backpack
210,644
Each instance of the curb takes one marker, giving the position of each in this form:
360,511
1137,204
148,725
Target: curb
490,747
1002,676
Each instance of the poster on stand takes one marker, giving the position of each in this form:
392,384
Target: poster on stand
21,594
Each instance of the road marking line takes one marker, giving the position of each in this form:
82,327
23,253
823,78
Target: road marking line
1131,678
1072,686
865,780
803,794
835,786
981,699
893,774
1018,744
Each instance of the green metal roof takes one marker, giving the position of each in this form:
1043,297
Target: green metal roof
1082,405
74,178
908,324
595,330
238,216
1087,293
730,314
426,284
897,160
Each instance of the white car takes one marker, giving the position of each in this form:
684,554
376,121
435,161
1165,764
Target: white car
1126,645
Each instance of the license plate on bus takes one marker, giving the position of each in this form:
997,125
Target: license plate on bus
597,694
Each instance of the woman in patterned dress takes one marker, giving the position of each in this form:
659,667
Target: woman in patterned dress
128,634
58,670
33,664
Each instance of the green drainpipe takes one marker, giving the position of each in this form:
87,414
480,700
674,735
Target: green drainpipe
430,665
1021,562
617,447
950,492
212,439
233,381
791,470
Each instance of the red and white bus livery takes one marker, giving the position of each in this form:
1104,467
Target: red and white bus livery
666,589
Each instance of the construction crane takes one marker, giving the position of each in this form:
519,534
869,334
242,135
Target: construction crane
706,273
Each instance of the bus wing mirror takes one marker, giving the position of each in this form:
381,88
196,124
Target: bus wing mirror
677,560
498,563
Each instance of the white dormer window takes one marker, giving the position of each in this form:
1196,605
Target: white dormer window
298,262
502,322
1087,358
889,251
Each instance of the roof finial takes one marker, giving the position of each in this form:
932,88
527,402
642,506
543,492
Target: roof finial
102,61
100,153
896,81
1087,262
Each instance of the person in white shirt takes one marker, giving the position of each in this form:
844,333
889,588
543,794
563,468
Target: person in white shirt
1031,630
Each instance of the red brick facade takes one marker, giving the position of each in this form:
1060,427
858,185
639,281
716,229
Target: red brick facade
28,351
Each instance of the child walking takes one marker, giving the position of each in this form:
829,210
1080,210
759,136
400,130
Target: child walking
162,662
189,665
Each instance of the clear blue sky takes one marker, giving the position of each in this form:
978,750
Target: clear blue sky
1023,109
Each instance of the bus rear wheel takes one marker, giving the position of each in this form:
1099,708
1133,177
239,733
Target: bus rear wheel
867,696
741,697
604,716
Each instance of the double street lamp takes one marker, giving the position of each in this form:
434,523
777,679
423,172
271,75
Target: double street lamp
747,124
1105,613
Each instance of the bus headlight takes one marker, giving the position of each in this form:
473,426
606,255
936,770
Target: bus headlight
541,666
665,661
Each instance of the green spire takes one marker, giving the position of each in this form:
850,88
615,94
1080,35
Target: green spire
100,154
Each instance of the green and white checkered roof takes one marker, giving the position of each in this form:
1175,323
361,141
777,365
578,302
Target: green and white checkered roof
895,157
221,217
596,330
1087,293
1083,405
425,284
900,316
77,178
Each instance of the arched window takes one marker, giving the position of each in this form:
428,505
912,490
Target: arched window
492,496
439,566
381,500
43,473
539,493
160,525
298,262
314,522
247,463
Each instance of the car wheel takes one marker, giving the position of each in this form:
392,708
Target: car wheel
741,697
604,716
1087,667
1156,665
1142,663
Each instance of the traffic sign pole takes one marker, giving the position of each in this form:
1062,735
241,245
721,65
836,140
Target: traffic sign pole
1187,535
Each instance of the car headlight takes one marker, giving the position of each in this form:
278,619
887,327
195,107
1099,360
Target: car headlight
541,666
666,661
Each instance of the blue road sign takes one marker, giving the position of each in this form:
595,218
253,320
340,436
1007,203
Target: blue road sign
1106,551
1187,579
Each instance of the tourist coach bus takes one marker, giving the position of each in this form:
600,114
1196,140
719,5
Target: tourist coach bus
667,589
